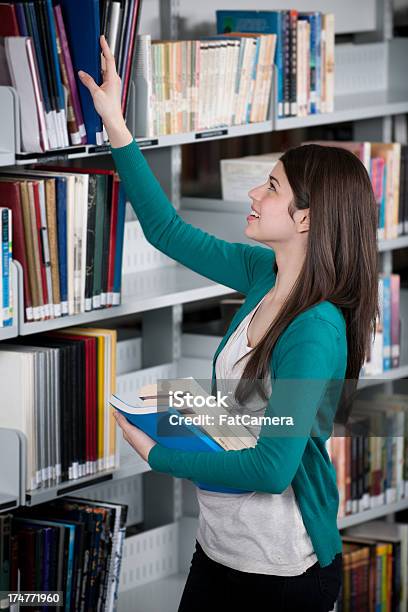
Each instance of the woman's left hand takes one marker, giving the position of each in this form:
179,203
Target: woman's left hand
141,442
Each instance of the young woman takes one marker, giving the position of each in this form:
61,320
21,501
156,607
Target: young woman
310,308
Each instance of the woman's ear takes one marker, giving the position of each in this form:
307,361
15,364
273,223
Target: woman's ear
302,220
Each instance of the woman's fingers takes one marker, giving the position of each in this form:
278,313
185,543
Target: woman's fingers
88,81
110,67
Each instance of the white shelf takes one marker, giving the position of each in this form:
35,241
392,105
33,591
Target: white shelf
391,244
39,496
149,290
352,107
371,514
7,502
78,151
393,374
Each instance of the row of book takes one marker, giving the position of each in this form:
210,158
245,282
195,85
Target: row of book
385,347
68,228
191,85
71,545
371,457
43,44
56,389
304,55
375,567
386,164
6,292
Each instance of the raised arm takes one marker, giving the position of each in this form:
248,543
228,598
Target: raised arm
232,264
304,366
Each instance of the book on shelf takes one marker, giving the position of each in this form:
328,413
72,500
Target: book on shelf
385,346
56,392
6,244
193,85
383,566
43,45
71,545
304,55
68,237
386,165
175,427
371,460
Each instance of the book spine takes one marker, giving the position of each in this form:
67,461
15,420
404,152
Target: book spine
5,233
286,63
387,323
395,319
318,43
66,55
293,63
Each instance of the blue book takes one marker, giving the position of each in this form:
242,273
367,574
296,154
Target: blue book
386,322
22,24
161,425
5,265
258,22
61,191
81,18
120,230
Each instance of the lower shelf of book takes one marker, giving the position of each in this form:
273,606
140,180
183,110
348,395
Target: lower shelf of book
141,292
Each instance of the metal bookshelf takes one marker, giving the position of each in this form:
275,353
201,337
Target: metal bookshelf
368,93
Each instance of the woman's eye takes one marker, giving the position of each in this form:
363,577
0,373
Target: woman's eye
271,187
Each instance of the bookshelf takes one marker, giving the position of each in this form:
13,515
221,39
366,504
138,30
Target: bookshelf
158,295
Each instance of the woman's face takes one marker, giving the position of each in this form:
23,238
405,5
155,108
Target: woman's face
271,201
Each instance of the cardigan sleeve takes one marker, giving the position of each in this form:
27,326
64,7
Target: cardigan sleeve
305,365
232,264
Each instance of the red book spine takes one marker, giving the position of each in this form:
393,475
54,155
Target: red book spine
8,20
112,238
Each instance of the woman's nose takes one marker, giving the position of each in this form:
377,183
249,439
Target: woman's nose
256,192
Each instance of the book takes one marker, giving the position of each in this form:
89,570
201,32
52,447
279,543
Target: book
152,414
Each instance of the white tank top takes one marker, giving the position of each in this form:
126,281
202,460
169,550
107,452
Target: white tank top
253,532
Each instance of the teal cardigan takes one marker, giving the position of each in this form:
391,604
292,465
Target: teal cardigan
309,355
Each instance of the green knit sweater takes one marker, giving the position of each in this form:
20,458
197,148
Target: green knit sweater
308,357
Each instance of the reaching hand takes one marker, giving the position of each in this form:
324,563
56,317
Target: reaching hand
107,97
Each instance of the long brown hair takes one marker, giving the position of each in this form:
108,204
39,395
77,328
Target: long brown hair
341,263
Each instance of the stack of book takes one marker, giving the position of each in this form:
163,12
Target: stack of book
192,85
68,227
371,459
6,245
70,545
43,45
304,55
375,566
56,389
385,348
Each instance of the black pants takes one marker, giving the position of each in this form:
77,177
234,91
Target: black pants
213,587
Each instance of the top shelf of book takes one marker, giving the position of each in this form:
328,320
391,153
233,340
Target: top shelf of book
355,107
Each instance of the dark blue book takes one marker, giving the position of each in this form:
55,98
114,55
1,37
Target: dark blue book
81,18
61,191
22,24
161,426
